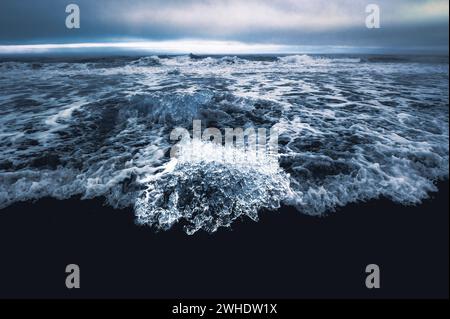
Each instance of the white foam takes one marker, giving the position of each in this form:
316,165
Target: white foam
349,131
208,190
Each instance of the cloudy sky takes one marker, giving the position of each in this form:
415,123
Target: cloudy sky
257,24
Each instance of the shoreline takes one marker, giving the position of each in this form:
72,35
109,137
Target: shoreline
284,255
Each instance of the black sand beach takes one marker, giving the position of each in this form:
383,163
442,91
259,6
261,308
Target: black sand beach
284,255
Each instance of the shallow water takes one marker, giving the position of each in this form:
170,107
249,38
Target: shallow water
351,129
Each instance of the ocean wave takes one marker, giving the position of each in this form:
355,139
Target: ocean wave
147,61
315,60
206,192
349,131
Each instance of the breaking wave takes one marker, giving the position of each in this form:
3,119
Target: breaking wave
350,130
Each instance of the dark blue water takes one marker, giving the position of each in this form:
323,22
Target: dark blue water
352,128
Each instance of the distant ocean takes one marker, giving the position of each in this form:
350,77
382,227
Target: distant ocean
351,129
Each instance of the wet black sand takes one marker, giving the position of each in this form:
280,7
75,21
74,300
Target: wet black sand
284,255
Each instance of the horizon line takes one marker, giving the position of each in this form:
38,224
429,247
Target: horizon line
194,46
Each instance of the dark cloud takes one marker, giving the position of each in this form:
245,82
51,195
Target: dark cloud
405,23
